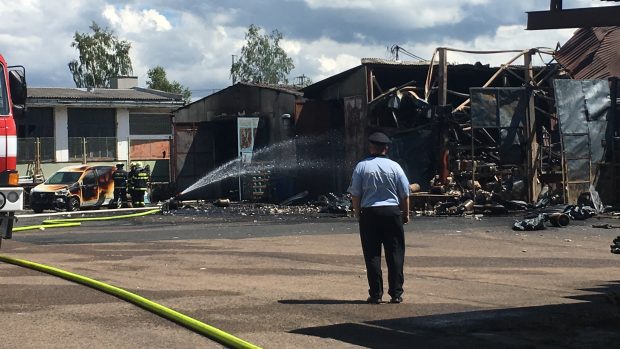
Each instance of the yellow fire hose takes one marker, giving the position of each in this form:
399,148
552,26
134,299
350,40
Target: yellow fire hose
197,326
45,226
74,222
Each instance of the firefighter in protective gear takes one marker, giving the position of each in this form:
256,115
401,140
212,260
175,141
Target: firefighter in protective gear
120,187
130,176
140,184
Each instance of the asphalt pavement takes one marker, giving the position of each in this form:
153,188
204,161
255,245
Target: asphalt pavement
292,280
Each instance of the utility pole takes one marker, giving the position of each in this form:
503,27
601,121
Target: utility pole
232,65
301,80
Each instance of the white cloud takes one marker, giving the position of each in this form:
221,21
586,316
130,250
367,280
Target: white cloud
129,20
194,41
347,4
42,45
291,47
322,58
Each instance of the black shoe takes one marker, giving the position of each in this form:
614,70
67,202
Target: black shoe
373,300
396,300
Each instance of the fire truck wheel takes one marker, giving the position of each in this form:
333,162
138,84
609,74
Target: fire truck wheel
74,204
37,209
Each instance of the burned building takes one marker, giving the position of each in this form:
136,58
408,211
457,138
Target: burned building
514,136
394,97
207,135
590,105
498,136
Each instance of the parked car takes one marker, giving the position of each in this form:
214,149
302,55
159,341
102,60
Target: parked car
74,187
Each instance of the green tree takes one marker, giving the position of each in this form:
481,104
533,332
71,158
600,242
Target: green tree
262,59
159,81
102,57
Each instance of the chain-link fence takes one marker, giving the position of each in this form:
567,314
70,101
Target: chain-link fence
31,148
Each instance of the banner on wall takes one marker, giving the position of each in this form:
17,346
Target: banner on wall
246,133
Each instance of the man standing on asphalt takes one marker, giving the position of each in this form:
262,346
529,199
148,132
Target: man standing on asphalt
380,197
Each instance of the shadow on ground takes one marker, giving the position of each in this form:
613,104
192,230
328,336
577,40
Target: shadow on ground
592,323
320,301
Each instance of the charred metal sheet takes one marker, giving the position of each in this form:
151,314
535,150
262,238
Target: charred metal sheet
582,108
578,170
484,111
498,107
598,107
592,53
577,146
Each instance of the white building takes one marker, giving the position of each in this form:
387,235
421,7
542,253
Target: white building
65,126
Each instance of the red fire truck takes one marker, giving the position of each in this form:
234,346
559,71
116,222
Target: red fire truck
12,104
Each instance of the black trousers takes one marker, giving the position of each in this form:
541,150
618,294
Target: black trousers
137,197
120,193
383,226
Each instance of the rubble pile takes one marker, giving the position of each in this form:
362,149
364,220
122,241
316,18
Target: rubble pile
240,209
329,205
498,195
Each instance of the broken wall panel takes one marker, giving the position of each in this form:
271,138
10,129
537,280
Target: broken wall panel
484,107
512,104
577,146
503,109
582,108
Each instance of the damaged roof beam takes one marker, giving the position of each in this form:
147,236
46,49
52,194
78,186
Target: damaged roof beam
374,81
492,78
393,89
520,78
459,94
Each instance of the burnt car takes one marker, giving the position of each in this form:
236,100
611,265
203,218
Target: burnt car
74,187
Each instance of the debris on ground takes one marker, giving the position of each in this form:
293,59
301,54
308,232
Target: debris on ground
537,222
605,226
579,213
332,203
615,248
221,203
294,198
528,224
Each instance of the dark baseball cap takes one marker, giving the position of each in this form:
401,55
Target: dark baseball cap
379,138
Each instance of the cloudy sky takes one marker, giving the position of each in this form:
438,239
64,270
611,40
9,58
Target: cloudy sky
195,40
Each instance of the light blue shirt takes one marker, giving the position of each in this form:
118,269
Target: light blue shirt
379,181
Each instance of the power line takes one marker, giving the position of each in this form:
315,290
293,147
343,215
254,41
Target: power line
395,50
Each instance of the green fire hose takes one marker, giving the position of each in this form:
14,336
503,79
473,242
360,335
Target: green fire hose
167,313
